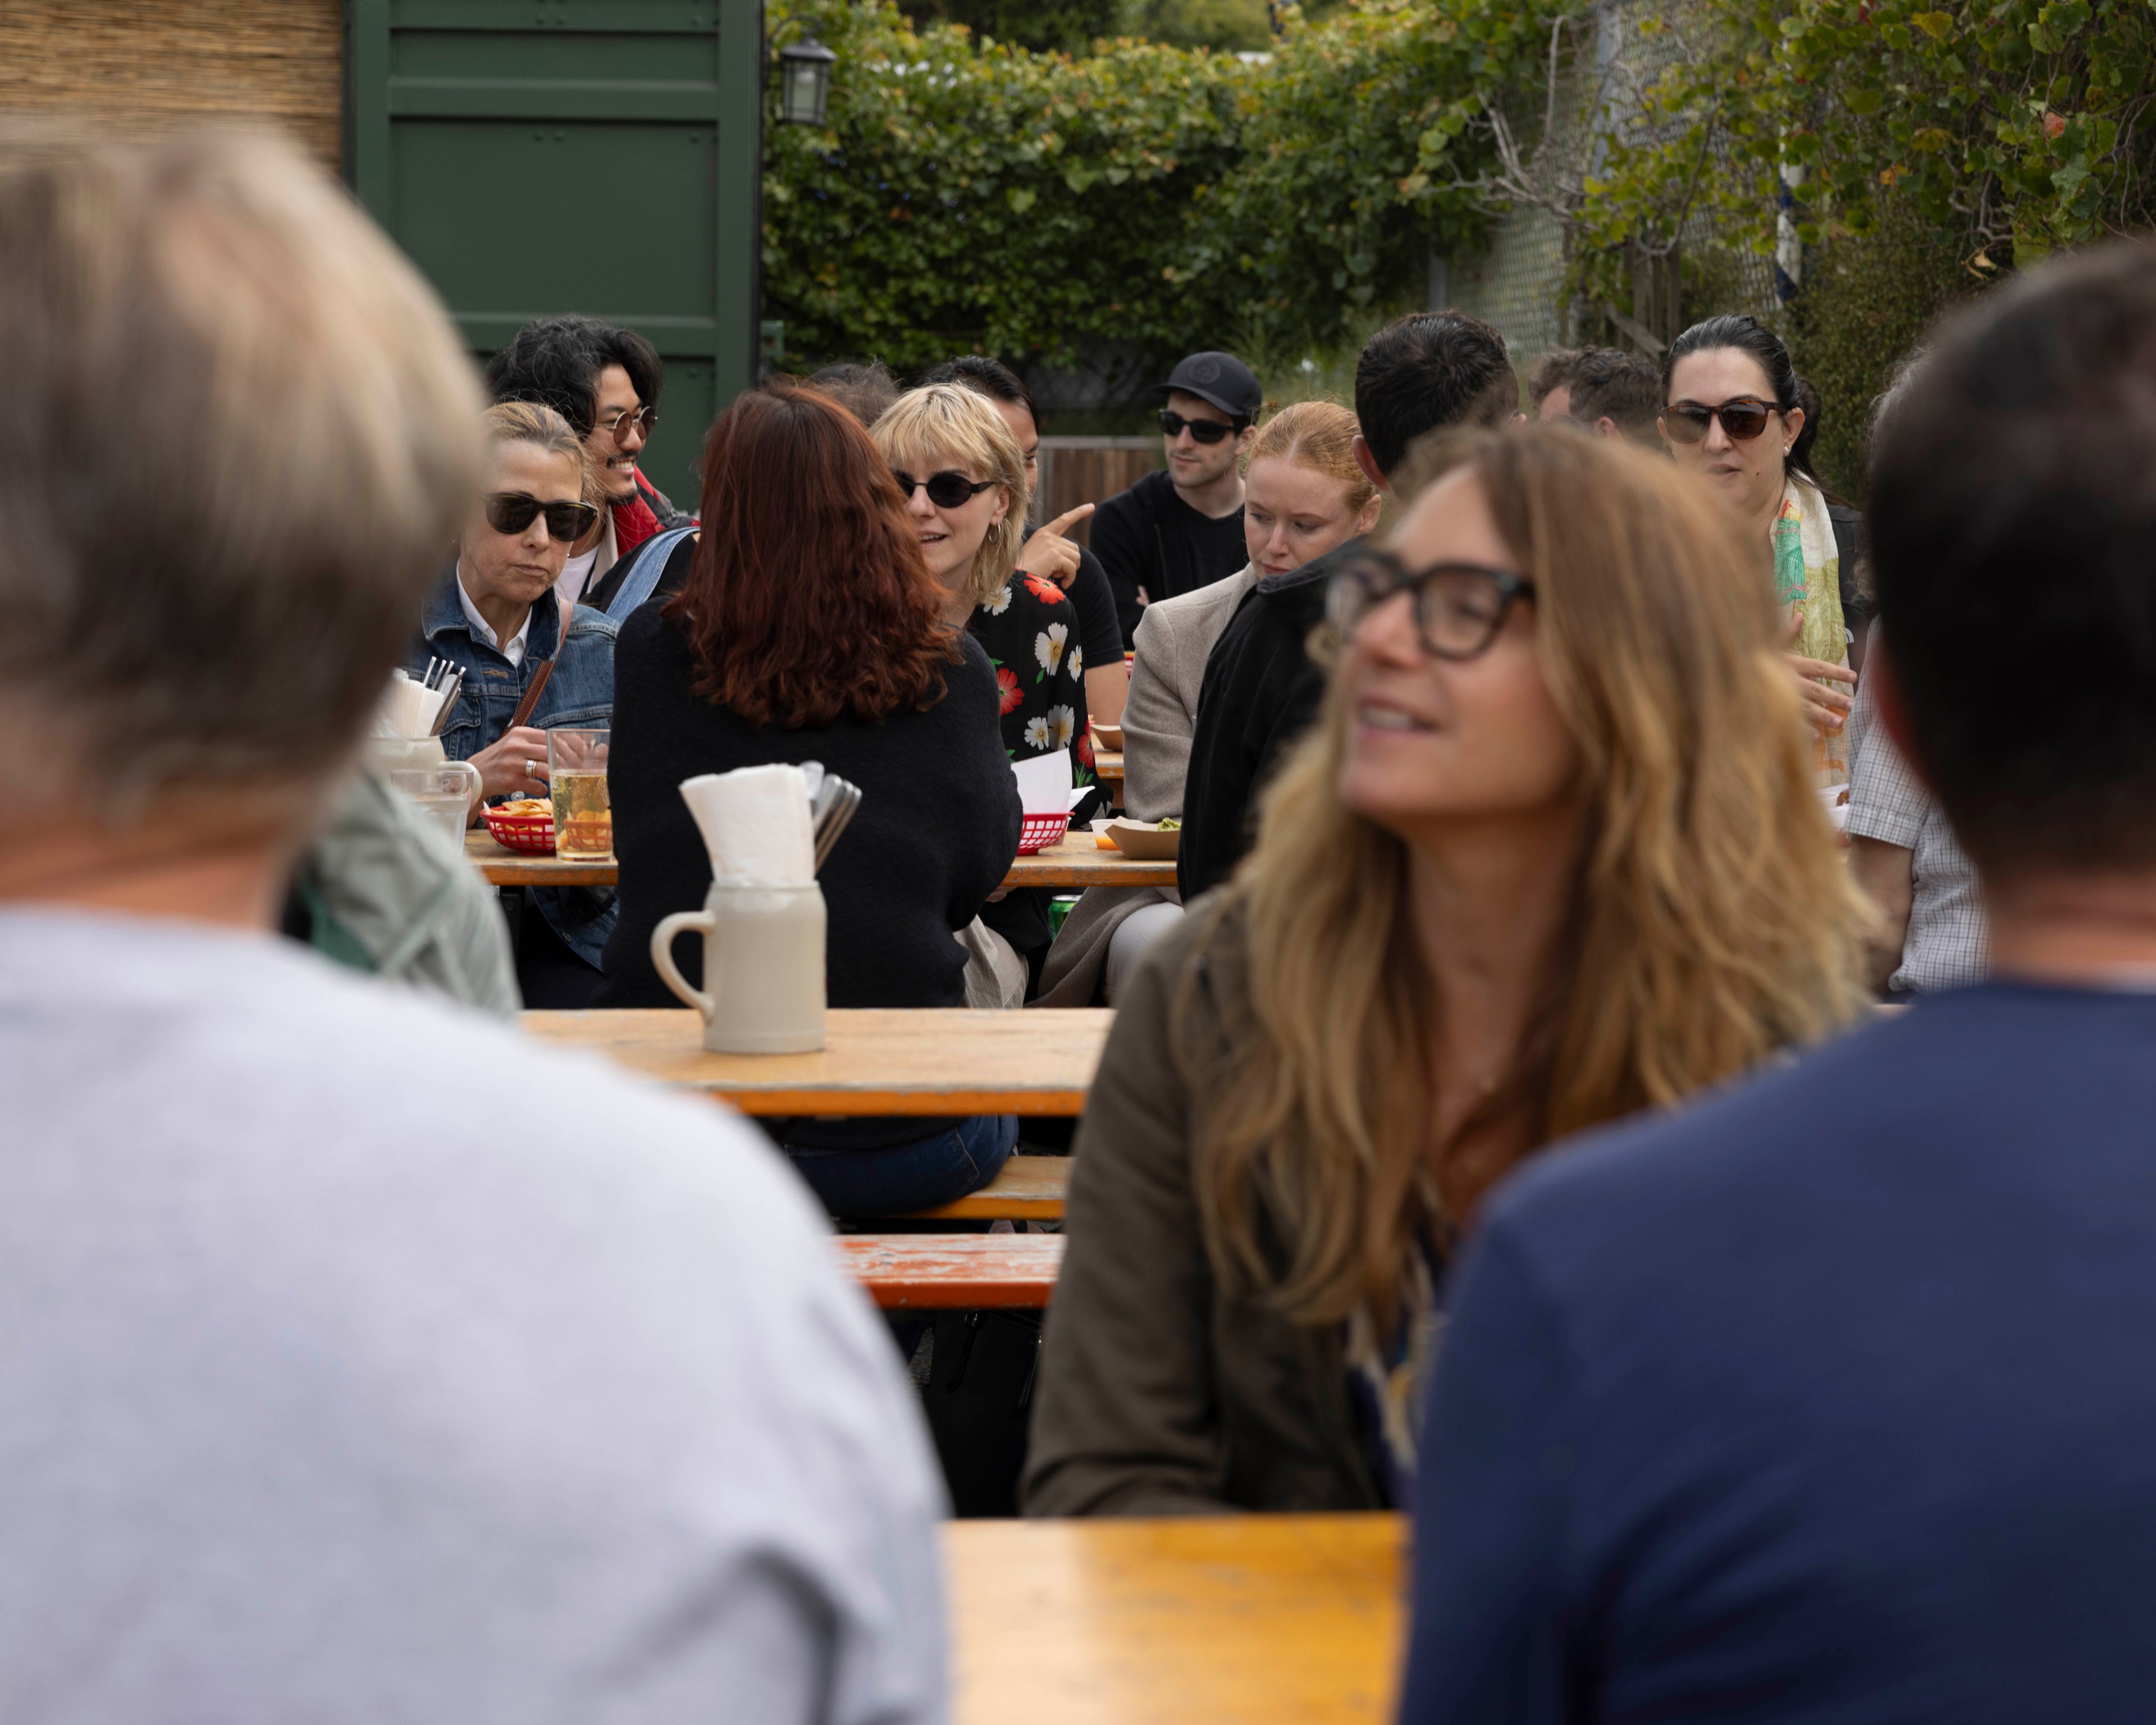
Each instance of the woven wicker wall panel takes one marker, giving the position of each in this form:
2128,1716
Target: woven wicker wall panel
146,64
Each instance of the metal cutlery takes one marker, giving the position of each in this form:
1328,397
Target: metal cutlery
830,818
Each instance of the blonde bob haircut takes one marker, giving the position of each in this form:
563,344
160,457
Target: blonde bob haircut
1712,922
1319,435
941,426
536,423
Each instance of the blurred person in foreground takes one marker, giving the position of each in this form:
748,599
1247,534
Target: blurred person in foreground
1734,418
605,382
496,614
347,1376
1822,1401
745,668
1180,527
1046,551
1551,857
380,889
1304,494
1261,689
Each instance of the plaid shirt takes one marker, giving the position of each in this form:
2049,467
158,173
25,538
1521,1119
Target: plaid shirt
1948,942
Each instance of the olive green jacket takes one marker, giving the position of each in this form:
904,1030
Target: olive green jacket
1160,1392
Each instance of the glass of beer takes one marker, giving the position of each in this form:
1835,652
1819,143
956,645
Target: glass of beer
584,818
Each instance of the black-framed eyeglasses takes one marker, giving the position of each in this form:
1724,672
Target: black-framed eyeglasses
947,490
512,512
1206,431
1743,417
1459,608
646,417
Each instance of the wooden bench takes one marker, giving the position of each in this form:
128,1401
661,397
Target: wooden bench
1026,1189
965,1272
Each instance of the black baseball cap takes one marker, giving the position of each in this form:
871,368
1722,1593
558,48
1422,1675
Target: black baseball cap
1219,378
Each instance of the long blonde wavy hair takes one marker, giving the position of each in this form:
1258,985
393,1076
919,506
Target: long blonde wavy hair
1712,921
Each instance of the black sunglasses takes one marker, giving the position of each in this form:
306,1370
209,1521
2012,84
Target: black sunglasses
512,512
1206,431
646,417
945,490
1744,418
1459,608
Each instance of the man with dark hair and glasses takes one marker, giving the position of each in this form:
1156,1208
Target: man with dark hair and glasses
605,382
1180,527
1420,372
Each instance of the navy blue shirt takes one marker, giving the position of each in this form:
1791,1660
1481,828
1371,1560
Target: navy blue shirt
1832,1398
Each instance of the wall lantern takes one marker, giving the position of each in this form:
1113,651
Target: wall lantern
805,82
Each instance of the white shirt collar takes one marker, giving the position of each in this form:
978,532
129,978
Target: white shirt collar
575,584
514,652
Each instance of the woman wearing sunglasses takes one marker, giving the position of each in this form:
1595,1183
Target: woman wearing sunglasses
494,617
964,480
1551,856
1733,416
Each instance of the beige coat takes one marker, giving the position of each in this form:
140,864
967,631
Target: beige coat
1175,637
1162,1391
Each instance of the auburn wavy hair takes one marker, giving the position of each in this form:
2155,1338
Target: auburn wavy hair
806,597
1712,921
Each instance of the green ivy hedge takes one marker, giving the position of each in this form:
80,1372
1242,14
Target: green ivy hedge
1931,147
968,195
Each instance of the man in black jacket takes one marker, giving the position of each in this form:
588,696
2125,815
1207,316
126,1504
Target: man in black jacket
1181,527
1261,689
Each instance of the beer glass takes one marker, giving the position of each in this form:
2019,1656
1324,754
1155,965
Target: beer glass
444,792
584,818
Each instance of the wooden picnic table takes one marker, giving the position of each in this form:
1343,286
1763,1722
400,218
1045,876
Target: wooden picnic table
504,867
1077,862
924,1060
1275,1619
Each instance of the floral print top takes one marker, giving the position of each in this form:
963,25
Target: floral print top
1029,630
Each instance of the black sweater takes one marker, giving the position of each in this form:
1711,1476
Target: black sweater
933,837
1261,692
1149,537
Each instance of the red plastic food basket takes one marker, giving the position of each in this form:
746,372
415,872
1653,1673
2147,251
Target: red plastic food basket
1039,831
531,834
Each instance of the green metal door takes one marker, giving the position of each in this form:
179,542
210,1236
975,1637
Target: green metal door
535,158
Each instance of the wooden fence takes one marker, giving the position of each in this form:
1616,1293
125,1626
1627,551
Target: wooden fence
1088,469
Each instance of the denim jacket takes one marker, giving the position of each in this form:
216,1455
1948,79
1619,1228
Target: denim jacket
579,692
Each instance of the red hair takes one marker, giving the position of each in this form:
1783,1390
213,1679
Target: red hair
806,597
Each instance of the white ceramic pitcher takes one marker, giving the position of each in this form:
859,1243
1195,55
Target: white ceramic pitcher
763,968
